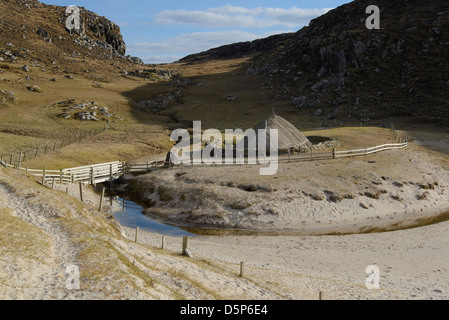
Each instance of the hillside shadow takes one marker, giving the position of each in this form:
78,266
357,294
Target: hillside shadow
219,94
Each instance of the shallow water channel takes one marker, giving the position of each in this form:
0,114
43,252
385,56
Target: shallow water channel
130,214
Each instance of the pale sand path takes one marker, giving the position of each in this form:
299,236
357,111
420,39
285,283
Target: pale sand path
29,279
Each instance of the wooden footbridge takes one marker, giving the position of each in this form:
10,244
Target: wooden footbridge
93,174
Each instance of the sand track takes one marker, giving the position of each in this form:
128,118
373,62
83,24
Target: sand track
28,279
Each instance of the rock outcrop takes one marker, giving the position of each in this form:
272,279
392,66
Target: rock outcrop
99,31
339,66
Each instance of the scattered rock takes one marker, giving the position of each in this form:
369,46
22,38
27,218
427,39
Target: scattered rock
6,96
34,88
231,97
364,206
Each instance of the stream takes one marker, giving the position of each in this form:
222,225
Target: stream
130,214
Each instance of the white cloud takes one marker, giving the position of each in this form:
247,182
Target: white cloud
158,59
240,17
231,18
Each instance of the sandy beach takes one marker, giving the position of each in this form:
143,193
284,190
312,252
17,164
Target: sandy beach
299,267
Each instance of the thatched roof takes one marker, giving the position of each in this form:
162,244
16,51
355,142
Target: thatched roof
288,135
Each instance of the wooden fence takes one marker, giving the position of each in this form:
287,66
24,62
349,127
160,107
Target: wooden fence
335,154
110,171
16,158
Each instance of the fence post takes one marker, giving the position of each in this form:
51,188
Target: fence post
43,176
20,159
81,192
334,153
92,175
185,246
163,243
60,176
101,199
242,271
137,234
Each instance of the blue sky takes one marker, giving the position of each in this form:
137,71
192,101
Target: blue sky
165,31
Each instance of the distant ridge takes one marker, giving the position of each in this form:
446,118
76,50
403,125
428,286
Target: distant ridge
240,49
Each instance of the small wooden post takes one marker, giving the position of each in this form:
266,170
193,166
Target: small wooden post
53,184
37,151
110,173
320,296
54,146
242,269
92,175
163,243
43,176
10,159
46,147
137,234
101,199
20,159
81,192
185,246
67,190
60,176
334,153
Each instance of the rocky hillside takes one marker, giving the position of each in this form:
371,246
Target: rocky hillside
32,30
336,68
